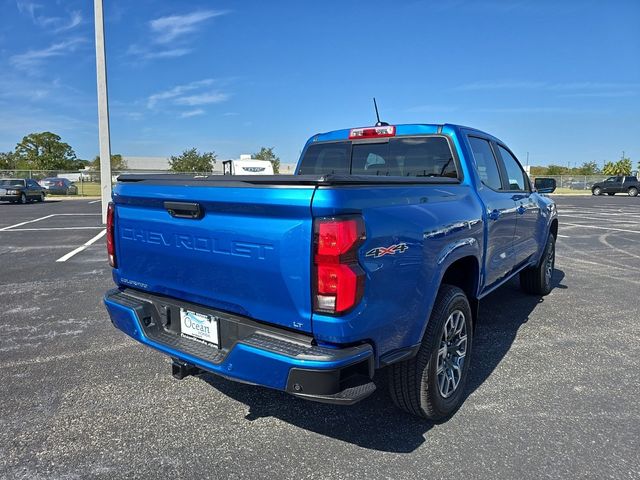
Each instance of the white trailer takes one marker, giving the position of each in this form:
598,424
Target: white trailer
246,165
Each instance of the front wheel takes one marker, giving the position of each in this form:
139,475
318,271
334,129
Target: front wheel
41,198
23,198
633,192
537,280
431,385
596,191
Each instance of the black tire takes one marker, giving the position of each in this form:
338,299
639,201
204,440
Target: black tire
41,198
596,191
633,192
414,383
23,199
537,280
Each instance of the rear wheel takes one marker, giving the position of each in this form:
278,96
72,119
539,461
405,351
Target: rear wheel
537,280
633,192
431,384
596,191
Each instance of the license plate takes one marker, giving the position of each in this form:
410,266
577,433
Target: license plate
200,327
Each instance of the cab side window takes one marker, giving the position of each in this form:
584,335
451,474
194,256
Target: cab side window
485,162
518,180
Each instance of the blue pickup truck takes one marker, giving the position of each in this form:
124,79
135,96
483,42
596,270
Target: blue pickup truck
374,255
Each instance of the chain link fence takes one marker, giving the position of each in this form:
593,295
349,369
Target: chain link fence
574,183
86,182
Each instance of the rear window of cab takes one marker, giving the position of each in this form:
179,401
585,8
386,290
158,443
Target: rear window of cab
398,157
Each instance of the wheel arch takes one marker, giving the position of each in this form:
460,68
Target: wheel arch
464,273
553,228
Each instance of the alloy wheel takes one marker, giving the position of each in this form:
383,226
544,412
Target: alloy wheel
550,261
451,354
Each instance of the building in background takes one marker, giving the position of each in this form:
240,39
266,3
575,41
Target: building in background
147,164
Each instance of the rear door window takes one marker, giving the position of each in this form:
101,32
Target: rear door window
518,180
486,162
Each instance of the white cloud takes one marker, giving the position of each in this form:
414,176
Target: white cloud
177,91
150,55
55,24
168,35
192,113
28,7
170,28
202,99
75,19
193,94
33,58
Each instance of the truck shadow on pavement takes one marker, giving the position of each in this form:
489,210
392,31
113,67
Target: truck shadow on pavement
375,423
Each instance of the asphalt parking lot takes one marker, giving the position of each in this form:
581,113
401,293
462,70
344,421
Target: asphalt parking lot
554,389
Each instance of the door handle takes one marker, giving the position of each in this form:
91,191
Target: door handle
184,210
495,214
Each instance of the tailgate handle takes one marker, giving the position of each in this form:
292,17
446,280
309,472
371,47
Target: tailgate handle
184,210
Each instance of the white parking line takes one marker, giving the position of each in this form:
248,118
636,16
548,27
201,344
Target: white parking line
51,228
6,229
601,228
66,257
563,236
95,201
24,223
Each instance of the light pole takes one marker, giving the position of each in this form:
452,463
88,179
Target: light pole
103,111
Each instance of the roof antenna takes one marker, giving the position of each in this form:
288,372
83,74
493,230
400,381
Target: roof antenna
378,123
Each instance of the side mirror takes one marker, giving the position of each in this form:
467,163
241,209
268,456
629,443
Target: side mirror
545,185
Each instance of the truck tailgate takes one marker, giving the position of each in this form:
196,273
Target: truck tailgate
248,254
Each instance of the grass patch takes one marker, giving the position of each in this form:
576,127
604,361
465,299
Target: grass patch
571,191
85,189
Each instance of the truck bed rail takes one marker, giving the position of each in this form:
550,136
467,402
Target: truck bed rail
285,180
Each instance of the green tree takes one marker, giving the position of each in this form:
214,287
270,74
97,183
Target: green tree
610,168
588,168
556,170
117,163
45,151
538,171
624,166
8,161
621,167
193,161
267,154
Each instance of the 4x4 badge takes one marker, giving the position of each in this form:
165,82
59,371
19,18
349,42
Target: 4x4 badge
391,250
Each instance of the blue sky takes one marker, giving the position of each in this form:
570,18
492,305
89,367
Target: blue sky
557,79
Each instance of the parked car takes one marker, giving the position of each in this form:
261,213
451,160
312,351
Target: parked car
59,186
618,184
580,185
375,254
20,190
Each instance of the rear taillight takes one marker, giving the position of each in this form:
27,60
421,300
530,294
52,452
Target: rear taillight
338,278
111,245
